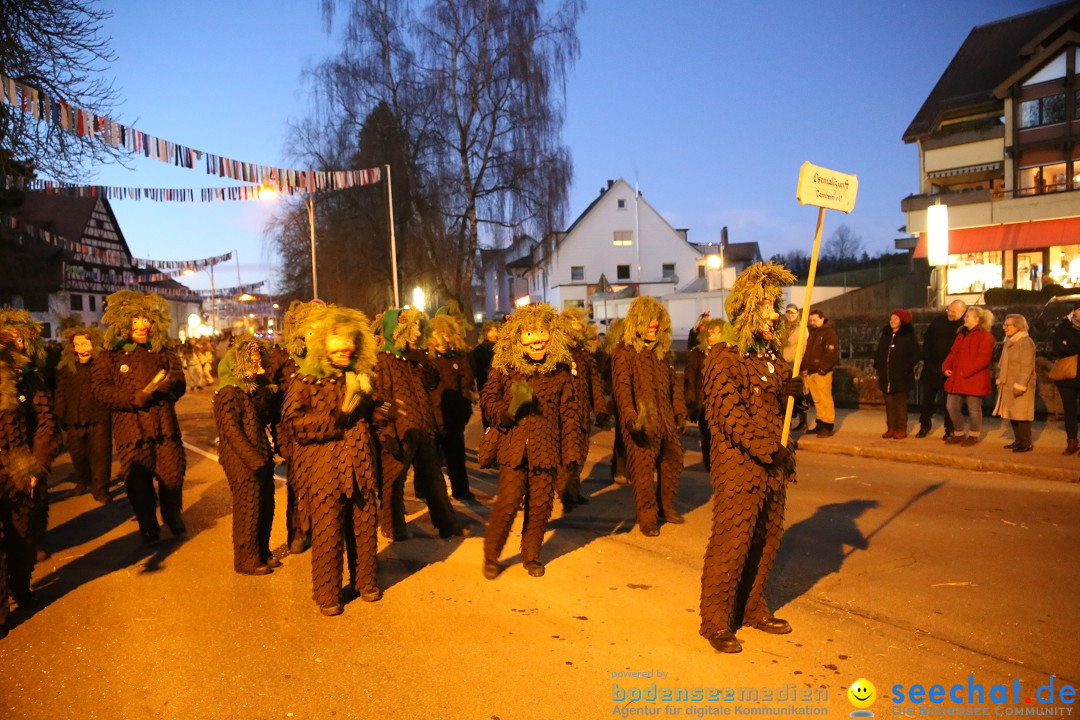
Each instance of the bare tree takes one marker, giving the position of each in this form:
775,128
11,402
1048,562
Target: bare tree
477,87
55,46
843,245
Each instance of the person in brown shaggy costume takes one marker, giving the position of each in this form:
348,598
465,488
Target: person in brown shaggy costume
140,378
242,406
328,410
530,403
29,442
451,400
87,422
708,334
747,384
590,396
283,368
403,378
651,411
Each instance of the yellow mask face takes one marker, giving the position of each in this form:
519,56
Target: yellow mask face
768,317
140,329
340,348
84,349
534,343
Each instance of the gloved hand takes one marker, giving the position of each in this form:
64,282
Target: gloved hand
142,399
391,445
353,390
782,463
638,434
601,419
521,394
794,387
156,382
1018,391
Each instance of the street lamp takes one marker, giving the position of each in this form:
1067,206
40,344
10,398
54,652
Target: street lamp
188,272
418,299
937,245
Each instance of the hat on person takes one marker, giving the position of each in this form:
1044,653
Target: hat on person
792,306
904,315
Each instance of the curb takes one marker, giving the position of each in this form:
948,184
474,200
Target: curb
1040,472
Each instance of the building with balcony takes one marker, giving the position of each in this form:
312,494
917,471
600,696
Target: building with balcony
999,145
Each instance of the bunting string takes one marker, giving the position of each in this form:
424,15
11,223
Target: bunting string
84,123
182,265
238,290
112,192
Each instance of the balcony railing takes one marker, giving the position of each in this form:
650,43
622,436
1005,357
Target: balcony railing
913,203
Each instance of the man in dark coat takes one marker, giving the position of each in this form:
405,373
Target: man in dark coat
822,355
747,384
693,381
531,406
1066,343
590,401
140,378
87,422
480,357
242,406
329,410
937,342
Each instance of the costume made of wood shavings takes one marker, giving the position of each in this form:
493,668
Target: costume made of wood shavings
85,420
451,399
744,404
589,391
693,385
651,411
242,406
535,438
328,411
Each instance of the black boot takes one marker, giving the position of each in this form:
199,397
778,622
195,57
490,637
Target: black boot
826,430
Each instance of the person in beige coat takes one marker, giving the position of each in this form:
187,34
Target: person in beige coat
1016,382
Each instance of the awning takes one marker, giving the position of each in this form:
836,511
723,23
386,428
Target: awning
1016,236
966,170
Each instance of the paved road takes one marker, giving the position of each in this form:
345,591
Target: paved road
889,571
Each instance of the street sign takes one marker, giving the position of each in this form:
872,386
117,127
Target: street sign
826,188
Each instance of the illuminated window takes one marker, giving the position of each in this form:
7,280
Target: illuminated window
1043,179
623,238
974,272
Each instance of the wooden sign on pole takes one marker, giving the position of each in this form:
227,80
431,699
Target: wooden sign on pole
826,189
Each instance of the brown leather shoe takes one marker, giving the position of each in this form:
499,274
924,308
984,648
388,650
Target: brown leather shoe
1071,447
774,625
899,434
887,434
955,439
969,441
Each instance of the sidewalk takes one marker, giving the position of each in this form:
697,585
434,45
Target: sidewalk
858,432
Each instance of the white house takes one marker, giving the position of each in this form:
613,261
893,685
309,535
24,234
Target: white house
621,237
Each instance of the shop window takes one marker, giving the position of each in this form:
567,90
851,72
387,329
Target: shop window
622,272
577,273
974,272
1043,179
1064,267
1042,111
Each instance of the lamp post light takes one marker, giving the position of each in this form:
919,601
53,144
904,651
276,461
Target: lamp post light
937,245
418,299
188,272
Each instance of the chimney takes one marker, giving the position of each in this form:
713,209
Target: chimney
723,237
610,183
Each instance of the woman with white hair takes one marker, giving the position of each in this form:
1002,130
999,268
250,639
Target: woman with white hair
1016,382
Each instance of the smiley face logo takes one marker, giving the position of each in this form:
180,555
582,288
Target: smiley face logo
862,695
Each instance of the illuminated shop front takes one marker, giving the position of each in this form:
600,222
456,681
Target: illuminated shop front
974,272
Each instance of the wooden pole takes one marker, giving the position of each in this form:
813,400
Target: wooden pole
801,347
393,241
311,222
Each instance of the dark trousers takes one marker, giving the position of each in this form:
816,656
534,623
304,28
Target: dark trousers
164,460
663,458
1069,397
706,439
929,393
91,454
537,489
429,483
746,530
18,547
452,443
1021,431
253,517
339,520
896,411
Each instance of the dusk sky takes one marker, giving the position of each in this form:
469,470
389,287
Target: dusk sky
710,107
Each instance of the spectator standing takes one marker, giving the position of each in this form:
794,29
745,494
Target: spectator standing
1016,382
967,374
822,355
897,355
937,342
1066,343
791,346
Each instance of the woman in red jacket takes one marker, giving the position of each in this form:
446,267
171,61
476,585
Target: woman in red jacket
967,374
